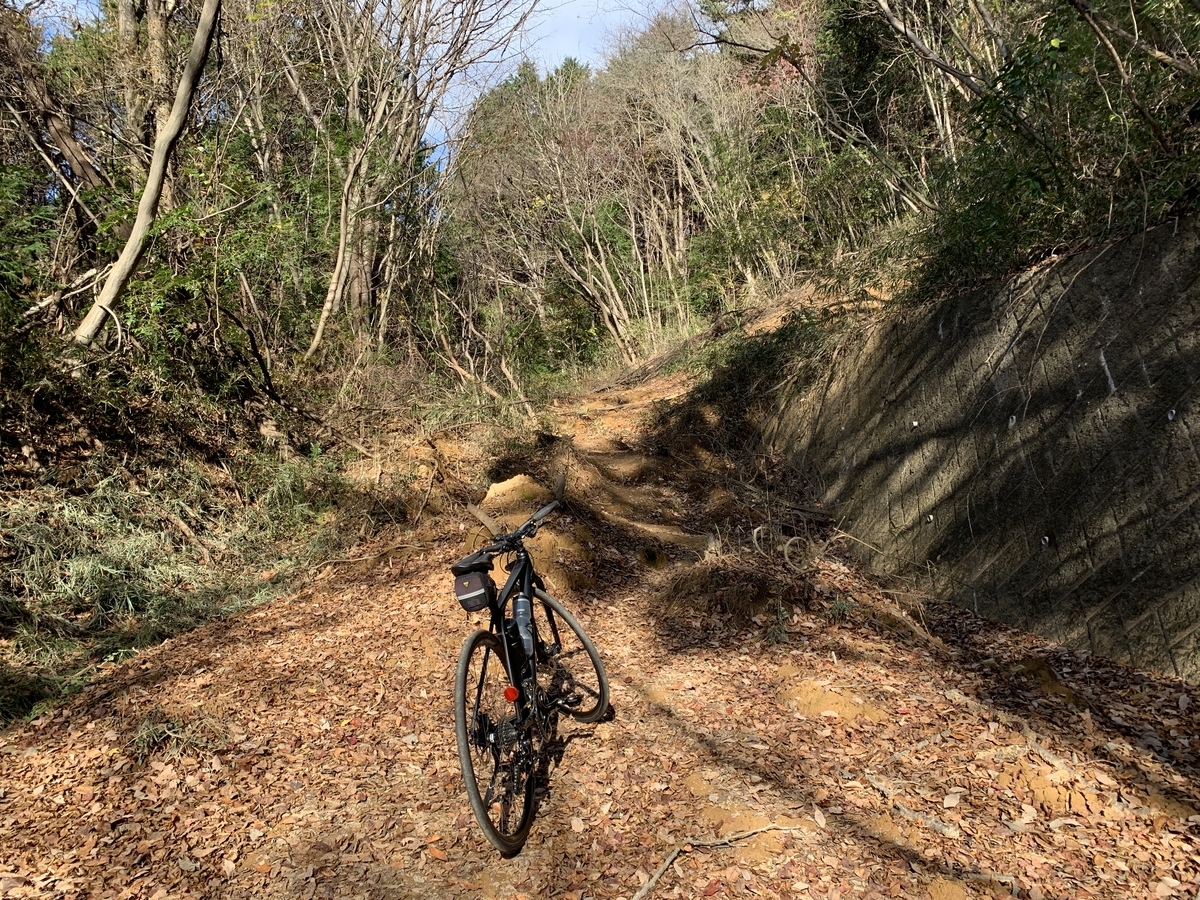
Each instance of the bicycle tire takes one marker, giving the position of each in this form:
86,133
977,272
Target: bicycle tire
568,660
490,746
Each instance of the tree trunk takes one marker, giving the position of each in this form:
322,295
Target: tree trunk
135,131
17,44
341,266
135,246
158,14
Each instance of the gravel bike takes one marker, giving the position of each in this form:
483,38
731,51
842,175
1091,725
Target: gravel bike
533,662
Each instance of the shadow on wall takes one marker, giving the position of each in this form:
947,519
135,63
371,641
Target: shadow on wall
1033,448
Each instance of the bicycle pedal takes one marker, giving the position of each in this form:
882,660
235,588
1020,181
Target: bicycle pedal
569,702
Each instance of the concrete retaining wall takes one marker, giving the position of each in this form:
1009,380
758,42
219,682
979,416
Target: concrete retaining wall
1032,449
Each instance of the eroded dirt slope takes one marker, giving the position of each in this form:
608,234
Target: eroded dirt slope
829,745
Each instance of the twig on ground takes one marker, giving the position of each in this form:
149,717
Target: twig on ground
488,522
384,552
1044,752
726,841
937,825
880,786
1011,721
649,885
190,536
428,491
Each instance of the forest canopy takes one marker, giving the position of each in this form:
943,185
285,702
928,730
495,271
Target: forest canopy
304,214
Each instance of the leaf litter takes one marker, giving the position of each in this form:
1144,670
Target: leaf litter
839,742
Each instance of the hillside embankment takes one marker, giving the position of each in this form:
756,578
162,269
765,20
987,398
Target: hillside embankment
785,726
1030,450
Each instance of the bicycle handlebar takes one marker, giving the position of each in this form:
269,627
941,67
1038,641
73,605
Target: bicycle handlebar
508,541
543,512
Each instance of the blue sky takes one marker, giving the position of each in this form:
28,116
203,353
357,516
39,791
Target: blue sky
558,29
578,28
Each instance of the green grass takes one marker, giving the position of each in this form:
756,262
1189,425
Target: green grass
97,575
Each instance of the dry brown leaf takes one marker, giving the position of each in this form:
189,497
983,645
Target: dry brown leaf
335,813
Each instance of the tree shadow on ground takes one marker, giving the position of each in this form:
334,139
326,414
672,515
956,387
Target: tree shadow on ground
21,691
1071,705
977,683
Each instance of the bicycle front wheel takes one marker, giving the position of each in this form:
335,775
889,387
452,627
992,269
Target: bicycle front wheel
569,668
497,759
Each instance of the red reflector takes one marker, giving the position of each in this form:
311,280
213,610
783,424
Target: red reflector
511,694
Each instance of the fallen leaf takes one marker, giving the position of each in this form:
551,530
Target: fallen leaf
818,816
437,854
951,800
1166,887
577,825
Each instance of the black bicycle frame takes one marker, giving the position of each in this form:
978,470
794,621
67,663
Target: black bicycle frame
521,574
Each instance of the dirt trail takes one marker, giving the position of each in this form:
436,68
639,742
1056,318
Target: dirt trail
827,748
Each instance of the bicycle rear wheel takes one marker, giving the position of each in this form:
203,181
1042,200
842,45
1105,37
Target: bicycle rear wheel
569,668
497,759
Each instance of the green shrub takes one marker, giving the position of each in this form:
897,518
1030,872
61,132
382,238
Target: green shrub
102,573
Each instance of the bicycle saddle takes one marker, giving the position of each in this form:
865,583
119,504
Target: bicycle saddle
479,561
